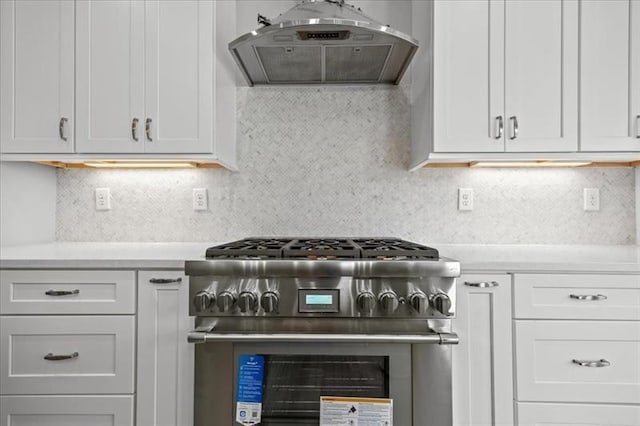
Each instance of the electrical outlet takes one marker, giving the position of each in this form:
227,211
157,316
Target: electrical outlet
103,199
591,199
465,199
200,199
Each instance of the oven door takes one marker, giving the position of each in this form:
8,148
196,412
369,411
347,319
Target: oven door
412,369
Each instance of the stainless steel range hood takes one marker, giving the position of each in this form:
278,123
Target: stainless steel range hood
323,42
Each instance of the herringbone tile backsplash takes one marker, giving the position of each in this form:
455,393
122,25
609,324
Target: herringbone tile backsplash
333,161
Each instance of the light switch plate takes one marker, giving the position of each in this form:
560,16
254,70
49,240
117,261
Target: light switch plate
200,201
465,199
591,199
103,199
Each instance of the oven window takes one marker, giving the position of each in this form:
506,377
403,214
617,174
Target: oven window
293,384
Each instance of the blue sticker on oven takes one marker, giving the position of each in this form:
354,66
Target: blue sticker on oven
249,391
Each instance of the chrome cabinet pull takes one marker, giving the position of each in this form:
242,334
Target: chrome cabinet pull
147,128
599,363
637,126
499,127
588,296
514,127
134,129
52,357
482,284
63,121
165,280
61,292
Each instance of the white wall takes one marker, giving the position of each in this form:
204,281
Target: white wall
27,203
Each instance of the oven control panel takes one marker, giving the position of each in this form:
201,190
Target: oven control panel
429,297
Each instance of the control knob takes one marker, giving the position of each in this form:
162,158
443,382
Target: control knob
269,302
203,300
441,303
389,302
247,301
419,302
366,302
226,301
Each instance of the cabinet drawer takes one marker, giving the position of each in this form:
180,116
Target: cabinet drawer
545,354
66,410
577,415
99,352
577,296
67,292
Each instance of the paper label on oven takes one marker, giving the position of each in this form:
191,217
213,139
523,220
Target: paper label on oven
343,411
249,392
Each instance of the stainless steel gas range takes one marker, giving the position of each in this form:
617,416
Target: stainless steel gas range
323,317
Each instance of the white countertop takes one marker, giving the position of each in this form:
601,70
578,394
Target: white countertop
473,257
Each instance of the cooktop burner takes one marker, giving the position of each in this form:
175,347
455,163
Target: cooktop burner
322,249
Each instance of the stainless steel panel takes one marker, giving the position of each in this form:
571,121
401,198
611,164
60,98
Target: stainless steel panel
348,287
444,267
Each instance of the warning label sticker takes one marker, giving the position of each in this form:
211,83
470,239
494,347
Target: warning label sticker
345,411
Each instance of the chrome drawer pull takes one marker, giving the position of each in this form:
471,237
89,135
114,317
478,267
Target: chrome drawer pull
52,357
134,129
600,363
61,292
588,296
514,127
482,284
499,127
147,128
165,280
63,121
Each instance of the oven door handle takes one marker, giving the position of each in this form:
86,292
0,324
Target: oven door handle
432,338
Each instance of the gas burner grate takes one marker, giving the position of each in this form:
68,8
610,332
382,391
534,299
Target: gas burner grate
250,248
321,249
387,249
394,249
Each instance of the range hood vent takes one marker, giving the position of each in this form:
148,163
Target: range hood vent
323,42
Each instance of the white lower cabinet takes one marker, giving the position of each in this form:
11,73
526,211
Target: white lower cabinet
67,354
165,359
112,410
578,361
578,415
482,361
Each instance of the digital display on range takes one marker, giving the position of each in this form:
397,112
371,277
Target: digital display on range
319,299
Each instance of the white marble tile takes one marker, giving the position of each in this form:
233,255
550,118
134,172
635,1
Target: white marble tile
332,161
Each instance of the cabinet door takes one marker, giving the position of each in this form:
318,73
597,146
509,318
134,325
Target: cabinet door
179,76
541,75
577,415
482,362
610,75
578,361
468,76
165,359
112,410
36,76
110,76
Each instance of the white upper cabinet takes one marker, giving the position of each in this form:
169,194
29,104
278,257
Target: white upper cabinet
110,80
179,79
505,76
469,75
36,76
610,75
145,76
541,74
153,80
